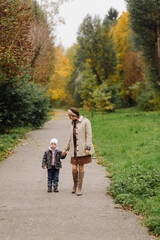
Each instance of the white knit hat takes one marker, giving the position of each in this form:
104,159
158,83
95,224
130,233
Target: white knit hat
54,140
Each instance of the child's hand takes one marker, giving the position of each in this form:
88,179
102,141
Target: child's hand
44,167
64,153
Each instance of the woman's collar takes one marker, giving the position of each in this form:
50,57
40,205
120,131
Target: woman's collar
80,118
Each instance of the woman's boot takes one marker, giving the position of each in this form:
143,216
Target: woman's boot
75,181
80,181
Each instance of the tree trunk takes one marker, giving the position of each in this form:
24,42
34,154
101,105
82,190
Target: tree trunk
158,46
98,78
37,53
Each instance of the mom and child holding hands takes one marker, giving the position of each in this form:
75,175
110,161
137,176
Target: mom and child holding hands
80,147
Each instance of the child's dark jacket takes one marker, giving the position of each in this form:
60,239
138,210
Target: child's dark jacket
47,159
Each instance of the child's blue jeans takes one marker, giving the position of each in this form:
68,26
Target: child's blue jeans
53,176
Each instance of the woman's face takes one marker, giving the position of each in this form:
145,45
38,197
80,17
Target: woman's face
72,117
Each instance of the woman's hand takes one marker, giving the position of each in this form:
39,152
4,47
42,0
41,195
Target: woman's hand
87,152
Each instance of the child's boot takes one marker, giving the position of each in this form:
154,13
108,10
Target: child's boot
49,188
80,181
56,189
75,181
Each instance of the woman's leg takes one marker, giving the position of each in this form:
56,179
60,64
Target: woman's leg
80,179
81,168
75,177
74,168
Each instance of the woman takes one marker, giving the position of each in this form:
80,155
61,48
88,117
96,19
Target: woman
80,147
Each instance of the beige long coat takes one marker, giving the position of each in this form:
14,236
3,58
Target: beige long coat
84,138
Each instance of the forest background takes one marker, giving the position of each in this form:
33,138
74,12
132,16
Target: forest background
114,65
115,62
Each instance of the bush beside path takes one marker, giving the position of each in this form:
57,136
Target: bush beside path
28,212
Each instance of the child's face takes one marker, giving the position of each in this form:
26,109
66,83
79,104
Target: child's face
53,145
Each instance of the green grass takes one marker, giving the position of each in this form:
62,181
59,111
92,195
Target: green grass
128,145
10,139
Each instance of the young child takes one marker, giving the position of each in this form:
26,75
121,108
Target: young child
52,161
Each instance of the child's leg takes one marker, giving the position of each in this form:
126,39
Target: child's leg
49,180
53,175
49,177
56,179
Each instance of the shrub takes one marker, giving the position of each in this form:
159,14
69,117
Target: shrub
22,103
101,99
148,101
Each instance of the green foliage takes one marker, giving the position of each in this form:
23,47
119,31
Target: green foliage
116,96
22,103
95,47
9,139
37,12
144,17
133,76
88,83
128,140
94,97
137,182
111,17
101,99
112,14
153,212
95,61
148,100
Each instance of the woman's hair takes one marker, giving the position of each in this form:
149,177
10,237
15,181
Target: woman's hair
75,110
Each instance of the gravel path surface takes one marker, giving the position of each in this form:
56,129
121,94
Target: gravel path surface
28,212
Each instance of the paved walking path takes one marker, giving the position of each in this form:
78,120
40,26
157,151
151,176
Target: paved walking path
28,212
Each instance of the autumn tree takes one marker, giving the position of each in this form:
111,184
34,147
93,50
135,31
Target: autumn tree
25,47
145,25
15,47
121,36
73,83
42,45
127,60
57,87
133,75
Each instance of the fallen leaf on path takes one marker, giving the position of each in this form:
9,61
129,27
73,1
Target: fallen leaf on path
118,206
103,215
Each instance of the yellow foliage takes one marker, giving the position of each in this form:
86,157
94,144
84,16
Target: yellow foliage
60,78
121,33
58,94
62,64
71,54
